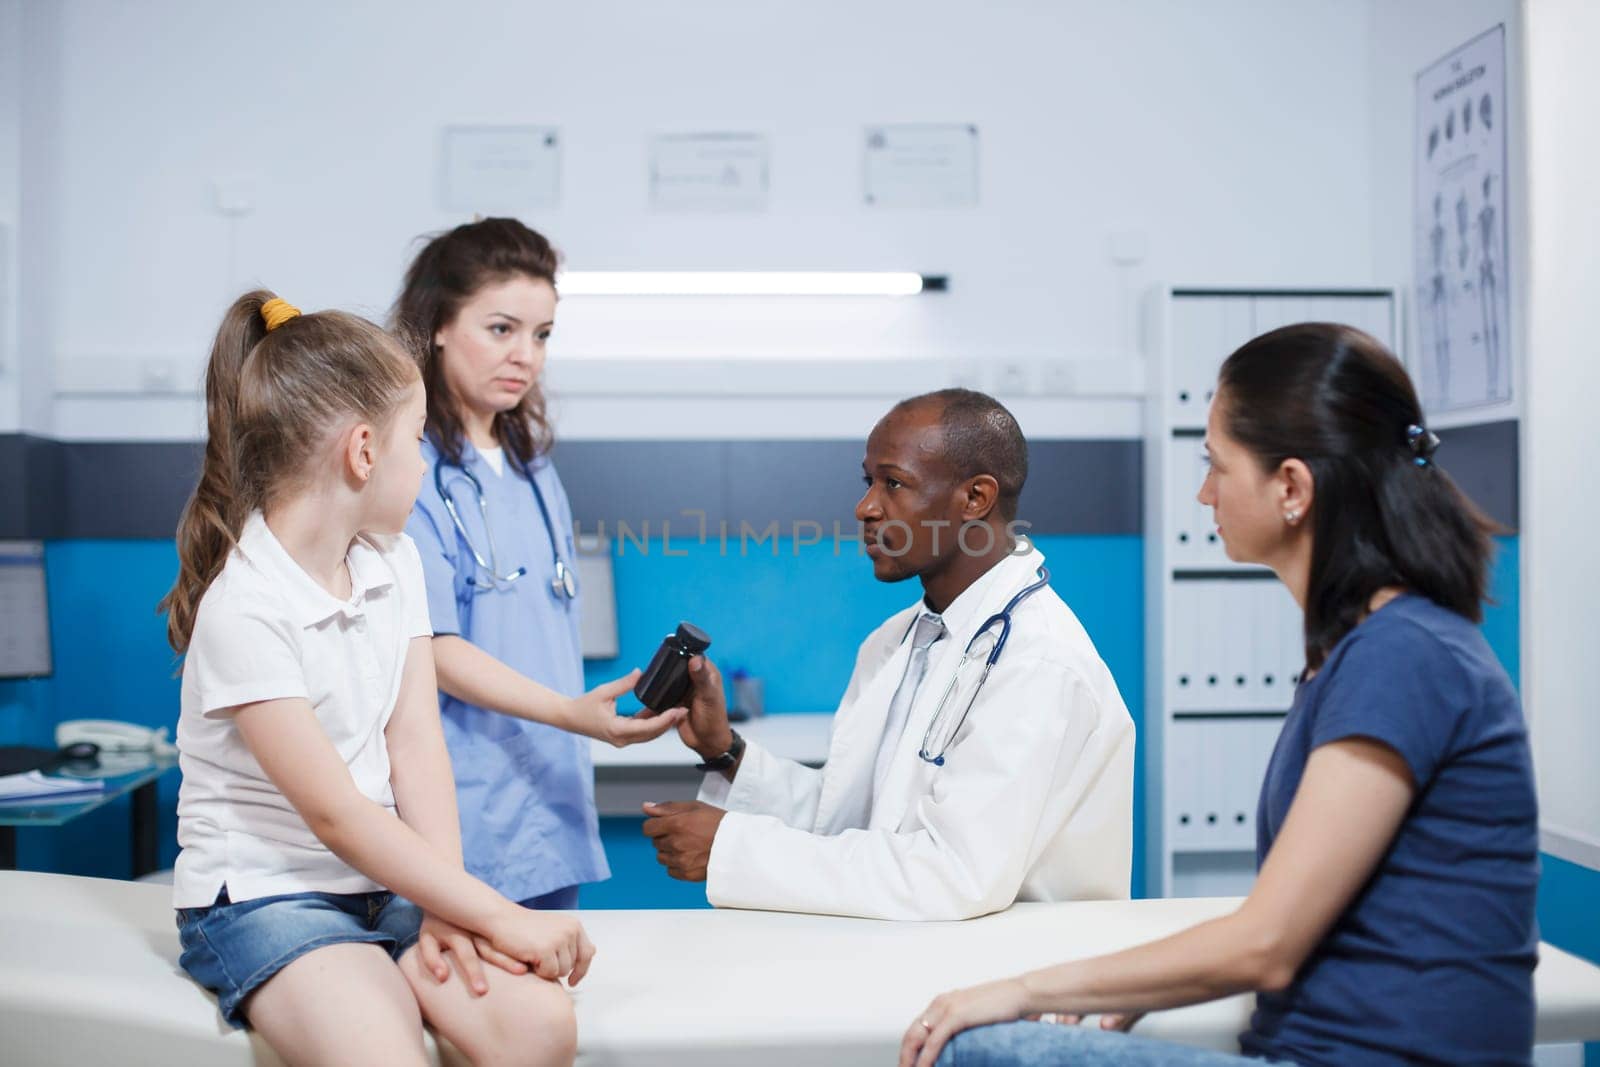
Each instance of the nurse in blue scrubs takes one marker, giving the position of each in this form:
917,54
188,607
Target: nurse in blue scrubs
493,526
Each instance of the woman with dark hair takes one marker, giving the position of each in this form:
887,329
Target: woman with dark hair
1392,919
493,526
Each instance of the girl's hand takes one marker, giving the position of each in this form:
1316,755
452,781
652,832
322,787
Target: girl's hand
439,936
595,715
552,943
950,1013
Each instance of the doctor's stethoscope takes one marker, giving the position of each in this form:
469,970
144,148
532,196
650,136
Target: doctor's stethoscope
564,583
983,650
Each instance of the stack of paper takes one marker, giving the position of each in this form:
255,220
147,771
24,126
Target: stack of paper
35,788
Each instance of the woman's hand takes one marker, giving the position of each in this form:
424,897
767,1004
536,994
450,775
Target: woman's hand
595,715
950,1013
470,950
551,942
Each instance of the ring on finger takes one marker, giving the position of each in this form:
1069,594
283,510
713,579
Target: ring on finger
926,1025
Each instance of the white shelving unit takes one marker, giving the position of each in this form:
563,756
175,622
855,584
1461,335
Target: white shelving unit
1223,640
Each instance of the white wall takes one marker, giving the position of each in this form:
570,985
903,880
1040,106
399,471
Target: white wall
10,181
1408,36
1561,570
38,239
1234,134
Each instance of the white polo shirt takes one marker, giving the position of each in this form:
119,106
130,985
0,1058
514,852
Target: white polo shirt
265,630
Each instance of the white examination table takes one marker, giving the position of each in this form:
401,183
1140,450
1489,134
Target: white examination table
88,974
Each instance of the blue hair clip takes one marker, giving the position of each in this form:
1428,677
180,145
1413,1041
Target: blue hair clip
1422,443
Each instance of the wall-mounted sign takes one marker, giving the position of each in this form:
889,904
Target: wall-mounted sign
709,172
491,170
922,165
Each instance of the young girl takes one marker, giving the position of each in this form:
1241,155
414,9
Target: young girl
493,528
320,888
1392,921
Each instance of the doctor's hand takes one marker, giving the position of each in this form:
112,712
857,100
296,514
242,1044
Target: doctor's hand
706,729
683,832
595,715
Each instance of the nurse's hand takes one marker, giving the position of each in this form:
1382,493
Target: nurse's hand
683,832
595,715
706,728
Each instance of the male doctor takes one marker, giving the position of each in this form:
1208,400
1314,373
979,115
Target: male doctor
1033,800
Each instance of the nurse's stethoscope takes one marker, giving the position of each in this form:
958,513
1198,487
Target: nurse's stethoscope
982,652
564,583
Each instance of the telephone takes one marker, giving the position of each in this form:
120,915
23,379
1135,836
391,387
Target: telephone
113,736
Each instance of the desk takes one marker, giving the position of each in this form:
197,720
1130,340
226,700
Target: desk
138,782
88,965
663,769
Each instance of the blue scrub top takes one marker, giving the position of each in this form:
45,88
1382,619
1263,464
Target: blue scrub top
526,790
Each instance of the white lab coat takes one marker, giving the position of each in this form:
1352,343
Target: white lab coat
1034,802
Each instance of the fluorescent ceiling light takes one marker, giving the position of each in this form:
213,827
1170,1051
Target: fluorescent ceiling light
746,283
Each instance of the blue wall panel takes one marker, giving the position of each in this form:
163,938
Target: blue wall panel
111,662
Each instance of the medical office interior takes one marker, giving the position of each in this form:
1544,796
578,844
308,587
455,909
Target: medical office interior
1089,205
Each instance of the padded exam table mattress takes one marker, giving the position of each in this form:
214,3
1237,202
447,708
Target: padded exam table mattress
88,974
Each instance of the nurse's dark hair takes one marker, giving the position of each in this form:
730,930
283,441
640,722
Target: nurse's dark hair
1336,399
273,398
980,437
450,269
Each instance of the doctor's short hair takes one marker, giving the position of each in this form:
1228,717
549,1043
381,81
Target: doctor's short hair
980,437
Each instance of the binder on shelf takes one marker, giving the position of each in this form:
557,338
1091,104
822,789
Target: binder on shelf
1183,652
1238,326
1240,617
1291,624
1233,818
1195,543
1273,684
1271,312
1183,826
1371,313
1213,642
1196,327
1185,544
1209,778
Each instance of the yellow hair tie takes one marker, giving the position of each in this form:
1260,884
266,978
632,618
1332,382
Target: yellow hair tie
278,311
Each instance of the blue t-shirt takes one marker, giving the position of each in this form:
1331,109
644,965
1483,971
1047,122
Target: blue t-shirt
1433,959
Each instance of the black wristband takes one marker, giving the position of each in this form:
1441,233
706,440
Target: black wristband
727,759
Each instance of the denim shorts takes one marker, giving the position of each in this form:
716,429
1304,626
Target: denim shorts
232,949
1028,1044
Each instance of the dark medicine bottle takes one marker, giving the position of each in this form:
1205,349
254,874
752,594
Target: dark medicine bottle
666,680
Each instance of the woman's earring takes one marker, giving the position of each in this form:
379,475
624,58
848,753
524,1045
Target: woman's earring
1291,517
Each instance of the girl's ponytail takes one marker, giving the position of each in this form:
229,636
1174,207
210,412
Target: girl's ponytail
221,501
278,385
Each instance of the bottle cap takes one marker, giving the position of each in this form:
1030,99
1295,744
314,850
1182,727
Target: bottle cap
693,638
